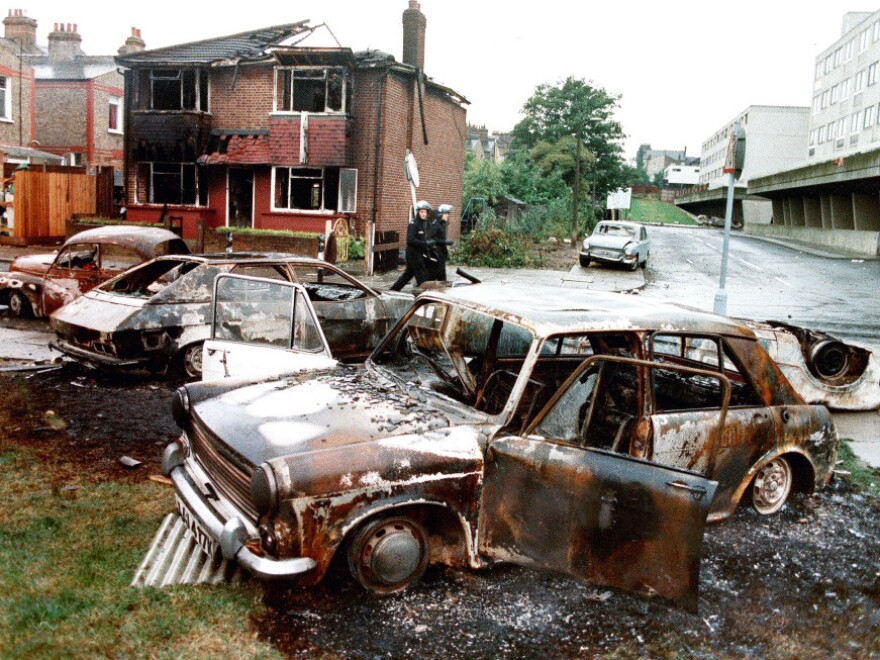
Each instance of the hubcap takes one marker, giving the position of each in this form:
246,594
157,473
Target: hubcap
192,360
15,305
393,553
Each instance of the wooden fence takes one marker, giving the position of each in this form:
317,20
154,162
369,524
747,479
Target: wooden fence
44,201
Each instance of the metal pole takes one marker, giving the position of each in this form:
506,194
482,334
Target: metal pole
721,295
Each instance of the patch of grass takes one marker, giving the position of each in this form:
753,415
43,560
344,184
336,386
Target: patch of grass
865,478
652,210
67,558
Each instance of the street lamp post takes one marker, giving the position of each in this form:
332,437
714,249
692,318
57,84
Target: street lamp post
733,165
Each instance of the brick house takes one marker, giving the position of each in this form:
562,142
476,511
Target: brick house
74,100
17,91
261,129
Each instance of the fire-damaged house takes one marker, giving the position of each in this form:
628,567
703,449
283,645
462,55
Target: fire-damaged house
268,129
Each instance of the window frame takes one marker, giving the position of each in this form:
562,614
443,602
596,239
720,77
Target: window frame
199,104
201,197
6,103
282,71
114,105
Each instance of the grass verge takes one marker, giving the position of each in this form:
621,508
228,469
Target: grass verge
652,210
68,554
865,478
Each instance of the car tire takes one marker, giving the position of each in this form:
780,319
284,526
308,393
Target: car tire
19,305
387,555
771,486
191,360
585,261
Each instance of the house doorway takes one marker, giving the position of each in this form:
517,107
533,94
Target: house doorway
240,207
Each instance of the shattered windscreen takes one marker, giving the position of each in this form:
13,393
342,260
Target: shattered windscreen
455,351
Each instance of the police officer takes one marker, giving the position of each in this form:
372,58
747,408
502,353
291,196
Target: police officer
416,248
439,251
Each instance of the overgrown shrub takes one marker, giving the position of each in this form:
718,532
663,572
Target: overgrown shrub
251,231
492,245
355,248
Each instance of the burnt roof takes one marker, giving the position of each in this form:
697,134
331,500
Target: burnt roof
248,45
554,310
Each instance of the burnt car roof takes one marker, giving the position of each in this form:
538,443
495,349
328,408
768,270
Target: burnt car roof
553,310
239,257
139,238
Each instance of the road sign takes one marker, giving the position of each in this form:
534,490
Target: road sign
736,151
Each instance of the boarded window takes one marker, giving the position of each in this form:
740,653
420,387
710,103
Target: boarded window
348,190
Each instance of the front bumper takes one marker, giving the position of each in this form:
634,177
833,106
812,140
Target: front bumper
609,257
232,533
84,355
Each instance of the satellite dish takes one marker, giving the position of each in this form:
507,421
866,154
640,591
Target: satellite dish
411,169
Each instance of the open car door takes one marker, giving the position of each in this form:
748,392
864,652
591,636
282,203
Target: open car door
262,327
554,499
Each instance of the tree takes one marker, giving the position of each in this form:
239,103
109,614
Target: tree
482,178
575,110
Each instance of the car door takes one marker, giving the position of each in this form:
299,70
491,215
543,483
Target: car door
354,319
551,500
262,327
75,271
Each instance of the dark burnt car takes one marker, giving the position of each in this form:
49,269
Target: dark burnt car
158,315
37,285
584,432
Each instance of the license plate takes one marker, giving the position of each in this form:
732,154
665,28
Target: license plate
206,543
606,253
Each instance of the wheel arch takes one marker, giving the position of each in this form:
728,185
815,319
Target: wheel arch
803,473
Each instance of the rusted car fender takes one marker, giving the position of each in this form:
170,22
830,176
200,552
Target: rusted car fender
27,284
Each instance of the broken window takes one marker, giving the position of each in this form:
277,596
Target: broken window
311,89
315,189
326,285
180,184
178,89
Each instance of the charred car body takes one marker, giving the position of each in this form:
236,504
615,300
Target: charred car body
592,436
37,285
159,314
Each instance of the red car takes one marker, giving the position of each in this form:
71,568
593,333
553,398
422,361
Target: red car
37,285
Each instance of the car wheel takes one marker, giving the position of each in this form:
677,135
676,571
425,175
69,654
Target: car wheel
388,555
191,360
19,305
585,261
771,486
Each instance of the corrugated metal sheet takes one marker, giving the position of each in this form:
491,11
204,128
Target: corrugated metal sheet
174,557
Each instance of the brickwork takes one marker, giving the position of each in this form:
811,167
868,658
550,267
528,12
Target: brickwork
19,130
107,144
249,104
61,116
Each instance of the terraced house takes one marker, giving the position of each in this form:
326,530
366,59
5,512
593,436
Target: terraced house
274,128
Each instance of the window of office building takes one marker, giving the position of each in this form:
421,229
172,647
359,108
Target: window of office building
835,94
864,40
860,81
872,73
821,134
844,89
841,127
854,125
869,117
848,50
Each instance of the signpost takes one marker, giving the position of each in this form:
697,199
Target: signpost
733,165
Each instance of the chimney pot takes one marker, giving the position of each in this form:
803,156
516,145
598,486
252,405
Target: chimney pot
74,27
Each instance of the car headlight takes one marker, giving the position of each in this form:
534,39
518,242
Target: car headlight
586,244
629,249
830,358
264,489
180,407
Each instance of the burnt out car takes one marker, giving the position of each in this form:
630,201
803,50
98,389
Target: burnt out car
589,433
158,315
37,285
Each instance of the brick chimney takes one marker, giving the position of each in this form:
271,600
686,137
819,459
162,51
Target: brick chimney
133,44
414,23
64,43
21,29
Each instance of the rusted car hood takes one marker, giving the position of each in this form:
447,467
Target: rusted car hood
37,264
97,311
610,242
307,413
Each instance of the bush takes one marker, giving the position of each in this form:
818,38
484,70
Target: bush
492,245
355,248
250,231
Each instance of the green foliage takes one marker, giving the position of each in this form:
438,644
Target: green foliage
527,182
355,247
492,245
575,109
251,231
482,178
862,476
104,222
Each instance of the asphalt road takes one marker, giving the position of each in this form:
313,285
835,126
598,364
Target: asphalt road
766,281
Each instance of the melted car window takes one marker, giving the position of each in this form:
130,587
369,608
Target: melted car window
148,280
327,285
83,256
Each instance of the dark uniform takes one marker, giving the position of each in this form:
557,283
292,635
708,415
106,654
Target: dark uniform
439,251
416,249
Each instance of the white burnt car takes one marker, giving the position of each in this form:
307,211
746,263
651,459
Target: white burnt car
589,433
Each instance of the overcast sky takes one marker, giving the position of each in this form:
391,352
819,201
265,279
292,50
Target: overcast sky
682,68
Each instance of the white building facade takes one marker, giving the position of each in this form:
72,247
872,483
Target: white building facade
776,140
845,112
681,175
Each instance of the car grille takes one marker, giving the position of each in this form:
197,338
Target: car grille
229,478
612,254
